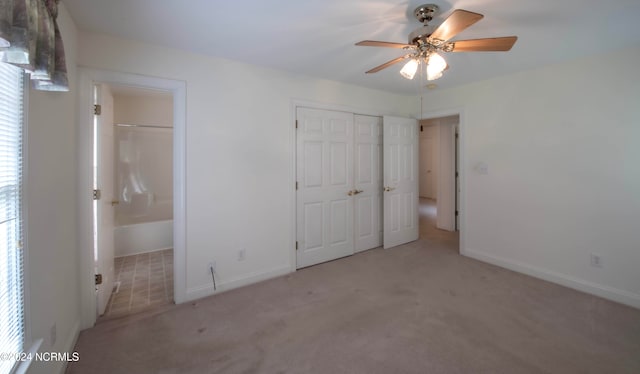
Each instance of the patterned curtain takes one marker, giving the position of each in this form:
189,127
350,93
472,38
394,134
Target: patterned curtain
30,39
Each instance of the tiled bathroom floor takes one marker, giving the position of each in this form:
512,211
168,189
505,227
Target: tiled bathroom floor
145,280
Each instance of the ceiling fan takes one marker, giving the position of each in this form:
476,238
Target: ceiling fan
425,42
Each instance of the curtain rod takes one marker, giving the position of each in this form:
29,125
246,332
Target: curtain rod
149,126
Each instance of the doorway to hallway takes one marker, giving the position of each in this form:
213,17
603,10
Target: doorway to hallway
428,213
439,168
438,206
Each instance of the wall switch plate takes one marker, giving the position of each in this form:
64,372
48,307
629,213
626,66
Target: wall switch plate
482,168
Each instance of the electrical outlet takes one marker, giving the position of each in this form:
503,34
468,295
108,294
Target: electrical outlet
596,260
53,334
241,254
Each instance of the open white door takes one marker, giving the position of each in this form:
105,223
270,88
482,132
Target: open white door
400,154
446,203
324,174
103,205
368,182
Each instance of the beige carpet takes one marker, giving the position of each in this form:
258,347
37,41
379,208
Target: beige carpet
419,308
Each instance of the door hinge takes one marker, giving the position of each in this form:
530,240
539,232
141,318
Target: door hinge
457,136
98,278
97,194
296,124
421,128
97,109
456,174
296,186
456,213
296,245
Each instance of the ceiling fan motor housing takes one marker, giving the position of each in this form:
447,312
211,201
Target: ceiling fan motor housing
425,12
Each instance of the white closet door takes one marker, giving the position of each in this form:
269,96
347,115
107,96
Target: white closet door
325,176
368,182
400,180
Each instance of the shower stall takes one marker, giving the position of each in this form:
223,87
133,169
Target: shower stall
144,183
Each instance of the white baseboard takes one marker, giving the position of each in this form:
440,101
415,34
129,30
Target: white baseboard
69,345
606,292
207,290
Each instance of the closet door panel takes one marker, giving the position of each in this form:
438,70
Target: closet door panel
324,172
368,182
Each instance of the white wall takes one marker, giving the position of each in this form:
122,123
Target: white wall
562,145
51,195
239,152
140,109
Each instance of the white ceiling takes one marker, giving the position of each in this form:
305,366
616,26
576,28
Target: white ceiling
316,37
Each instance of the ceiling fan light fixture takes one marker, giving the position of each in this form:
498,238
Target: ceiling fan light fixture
425,41
410,68
432,77
435,66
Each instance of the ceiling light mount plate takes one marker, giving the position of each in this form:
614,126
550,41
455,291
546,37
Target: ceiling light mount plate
425,12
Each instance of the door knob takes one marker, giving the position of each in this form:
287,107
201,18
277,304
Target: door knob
350,193
389,189
115,202
357,192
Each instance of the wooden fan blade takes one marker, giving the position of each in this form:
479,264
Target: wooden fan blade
387,64
374,43
454,24
484,45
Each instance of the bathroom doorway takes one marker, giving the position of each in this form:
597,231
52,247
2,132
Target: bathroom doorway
90,269
133,198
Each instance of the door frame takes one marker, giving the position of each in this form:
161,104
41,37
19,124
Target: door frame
460,112
295,104
87,78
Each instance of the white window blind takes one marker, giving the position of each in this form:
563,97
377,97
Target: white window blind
11,274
